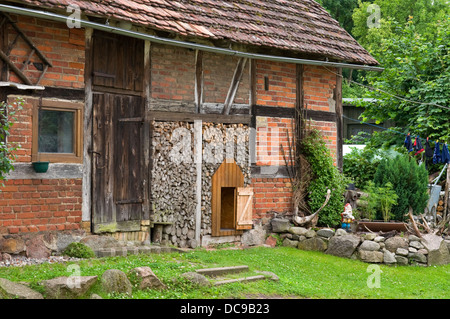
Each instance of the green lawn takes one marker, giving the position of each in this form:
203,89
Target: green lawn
302,274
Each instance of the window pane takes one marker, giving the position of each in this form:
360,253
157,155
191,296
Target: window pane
56,131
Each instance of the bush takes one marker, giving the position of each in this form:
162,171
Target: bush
380,201
409,181
360,165
78,250
325,175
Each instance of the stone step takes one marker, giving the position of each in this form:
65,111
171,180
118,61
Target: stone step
242,279
133,250
214,272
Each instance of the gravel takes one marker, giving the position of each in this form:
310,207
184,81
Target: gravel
19,261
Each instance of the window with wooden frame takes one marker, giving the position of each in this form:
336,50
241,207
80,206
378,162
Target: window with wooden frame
57,131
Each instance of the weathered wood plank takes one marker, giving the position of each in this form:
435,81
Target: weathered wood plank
234,86
339,119
191,117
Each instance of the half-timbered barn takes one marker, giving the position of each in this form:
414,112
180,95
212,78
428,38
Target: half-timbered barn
162,120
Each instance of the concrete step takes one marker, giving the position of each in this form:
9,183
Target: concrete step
133,250
221,271
242,279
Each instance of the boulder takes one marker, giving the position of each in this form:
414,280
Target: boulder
196,278
340,232
388,257
310,233
36,247
290,243
271,241
97,242
68,287
370,256
342,246
393,243
280,225
254,237
379,239
300,231
438,252
370,236
144,278
401,260
13,290
12,245
402,252
115,281
369,246
416,244
325,232
315,243
417,257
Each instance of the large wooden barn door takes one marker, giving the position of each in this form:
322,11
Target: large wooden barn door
118,179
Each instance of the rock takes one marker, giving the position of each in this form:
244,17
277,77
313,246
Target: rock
340,232
412,250
417,257
370,236
6,256
269,274
423,251
290,243
416,244
369,246
371,256
254,237
325,232
65,239
12,245
379,239
388,257
95,296
401,260
342,246
67,287
280,225
402,252
144,278
395,242
13,290
315,243
271,241
37,248
114,280
197,279
413,238
300,231
310,233
97,242
438,252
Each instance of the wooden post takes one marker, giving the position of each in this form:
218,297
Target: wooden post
87,125
198,163
237,76
146,133
198,81
446,210
339,120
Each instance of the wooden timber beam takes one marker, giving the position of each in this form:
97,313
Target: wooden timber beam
237,76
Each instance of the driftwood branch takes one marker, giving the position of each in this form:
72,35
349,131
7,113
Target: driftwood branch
308,219
413,222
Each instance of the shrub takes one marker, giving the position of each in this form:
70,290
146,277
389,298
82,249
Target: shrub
78,250
7,157
409,181
325,175
380,201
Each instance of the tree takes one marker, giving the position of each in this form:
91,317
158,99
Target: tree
341,11
416,79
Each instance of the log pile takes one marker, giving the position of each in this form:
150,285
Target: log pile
173,181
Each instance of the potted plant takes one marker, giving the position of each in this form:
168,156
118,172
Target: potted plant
40,166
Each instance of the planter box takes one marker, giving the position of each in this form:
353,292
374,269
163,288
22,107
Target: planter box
376,226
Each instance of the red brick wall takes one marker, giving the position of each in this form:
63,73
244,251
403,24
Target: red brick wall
271,195
173,73
318,88
40,205
63,47
282,84
218,72
21,131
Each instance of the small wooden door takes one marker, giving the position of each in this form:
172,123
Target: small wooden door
118,165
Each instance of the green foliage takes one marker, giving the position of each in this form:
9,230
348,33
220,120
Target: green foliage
7,118
417,68
325,176
409,181
341,10
381,200
78,250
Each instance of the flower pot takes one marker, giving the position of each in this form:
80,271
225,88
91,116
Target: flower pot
40,167
383,226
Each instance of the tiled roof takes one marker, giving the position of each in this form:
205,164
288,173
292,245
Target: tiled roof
301,26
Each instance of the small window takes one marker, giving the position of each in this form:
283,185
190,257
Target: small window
57,134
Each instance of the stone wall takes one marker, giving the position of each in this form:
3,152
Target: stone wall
384,248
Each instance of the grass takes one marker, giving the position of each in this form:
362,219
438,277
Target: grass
302,274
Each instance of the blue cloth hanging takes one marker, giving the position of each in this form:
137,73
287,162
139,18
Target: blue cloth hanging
445,157
437,154
408,143
418,146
